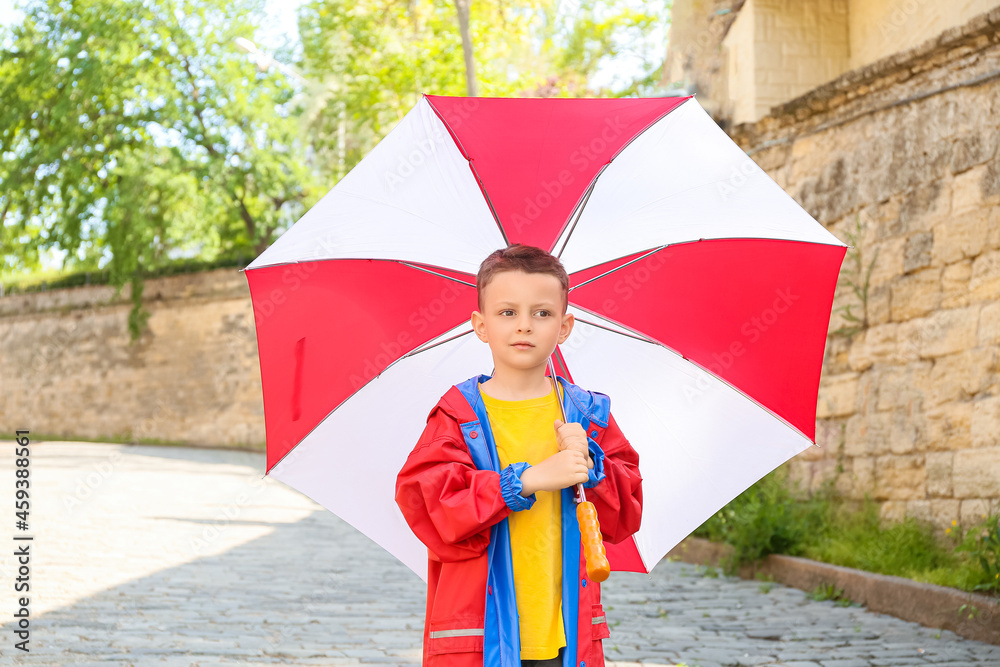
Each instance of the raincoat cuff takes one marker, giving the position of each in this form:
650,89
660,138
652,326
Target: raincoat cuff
510,487
595,474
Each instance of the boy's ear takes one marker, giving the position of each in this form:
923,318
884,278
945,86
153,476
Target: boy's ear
566,328
479,325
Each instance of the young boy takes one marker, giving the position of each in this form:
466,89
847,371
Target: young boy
489,487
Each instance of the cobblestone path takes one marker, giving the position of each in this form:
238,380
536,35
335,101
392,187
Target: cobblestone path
149,555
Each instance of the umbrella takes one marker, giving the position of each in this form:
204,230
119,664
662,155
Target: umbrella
701,292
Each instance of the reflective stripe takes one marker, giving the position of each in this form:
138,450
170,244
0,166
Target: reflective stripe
470,632
597,620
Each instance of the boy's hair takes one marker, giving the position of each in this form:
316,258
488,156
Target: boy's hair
520,257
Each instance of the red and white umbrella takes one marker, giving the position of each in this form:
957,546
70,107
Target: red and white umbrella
701,291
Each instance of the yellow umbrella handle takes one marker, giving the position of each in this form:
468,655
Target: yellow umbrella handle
598,567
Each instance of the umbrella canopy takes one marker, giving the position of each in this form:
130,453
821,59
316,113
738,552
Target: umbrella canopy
701,292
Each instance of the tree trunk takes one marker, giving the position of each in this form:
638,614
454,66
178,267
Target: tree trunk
463,26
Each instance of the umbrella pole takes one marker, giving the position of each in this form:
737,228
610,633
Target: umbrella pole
598,568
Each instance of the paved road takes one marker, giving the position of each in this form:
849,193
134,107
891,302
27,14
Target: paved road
169,556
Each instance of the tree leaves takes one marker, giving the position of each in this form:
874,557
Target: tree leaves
135,130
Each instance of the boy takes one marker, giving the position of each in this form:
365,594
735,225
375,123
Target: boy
489,487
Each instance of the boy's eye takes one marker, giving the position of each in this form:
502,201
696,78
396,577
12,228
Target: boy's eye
543,313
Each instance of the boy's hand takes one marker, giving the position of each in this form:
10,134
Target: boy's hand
559,471
572,436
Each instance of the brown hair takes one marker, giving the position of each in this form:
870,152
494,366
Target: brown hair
520,257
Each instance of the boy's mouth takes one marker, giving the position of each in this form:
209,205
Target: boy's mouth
523,344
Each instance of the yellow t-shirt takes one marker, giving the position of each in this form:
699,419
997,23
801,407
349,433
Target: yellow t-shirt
523,431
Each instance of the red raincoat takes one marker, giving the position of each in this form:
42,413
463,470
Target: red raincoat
456,507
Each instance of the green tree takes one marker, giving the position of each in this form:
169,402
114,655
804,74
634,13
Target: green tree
132,131
376,57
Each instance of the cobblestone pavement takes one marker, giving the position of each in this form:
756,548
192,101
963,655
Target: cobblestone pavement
150,555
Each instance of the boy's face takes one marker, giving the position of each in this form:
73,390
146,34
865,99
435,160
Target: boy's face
519,306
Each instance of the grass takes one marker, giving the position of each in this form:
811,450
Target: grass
775,516
829,592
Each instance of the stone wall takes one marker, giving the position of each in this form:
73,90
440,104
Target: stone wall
744,57
778,49
909,408
879,28
67,368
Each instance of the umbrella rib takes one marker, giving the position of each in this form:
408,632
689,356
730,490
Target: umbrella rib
633,332
691,361
593,181
617,268
435,273
579,210
475,173
841,244
430,347
620,333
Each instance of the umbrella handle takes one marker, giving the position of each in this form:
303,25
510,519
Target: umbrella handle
598,568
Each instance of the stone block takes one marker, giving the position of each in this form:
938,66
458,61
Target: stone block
974,510
984,428
943,332
829,436
838,396
917,251
955,284
984,284
876,344
939,465
868,436
968,188
938,513
960,376
990,183
878,304
889,260
892,511
900,386
915,294
958,237
868,391
976,473
989,324
905,433
862,477
900,477
972,149
944,511
921,208
949,426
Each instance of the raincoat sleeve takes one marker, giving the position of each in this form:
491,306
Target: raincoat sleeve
617,496
448,503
